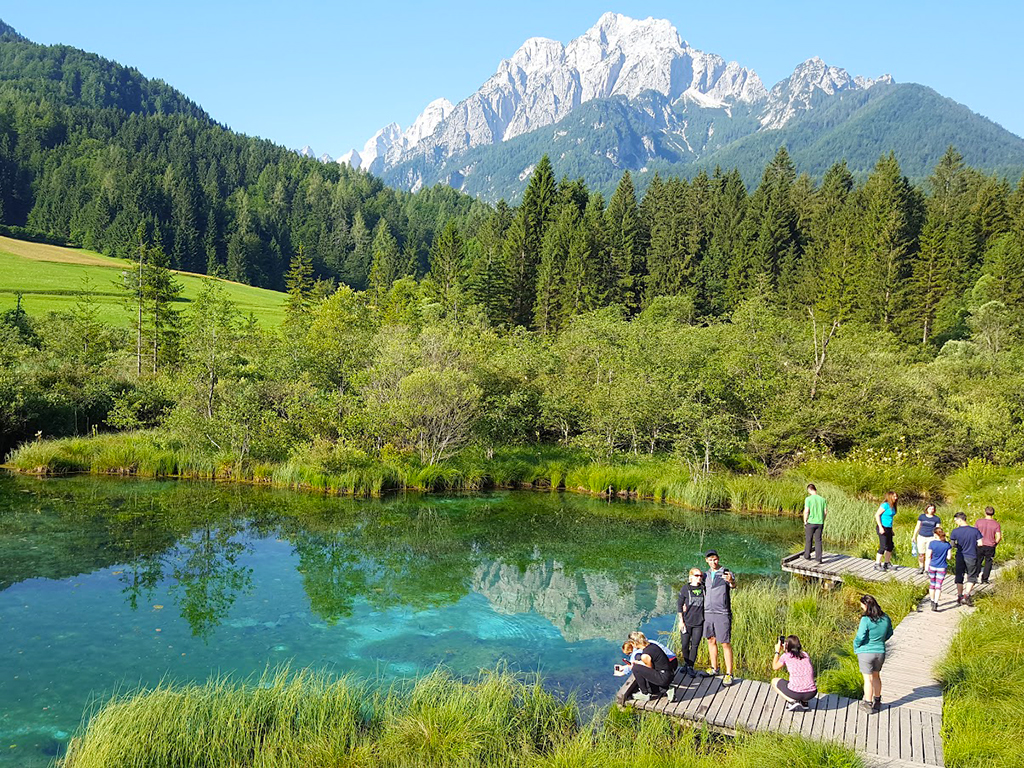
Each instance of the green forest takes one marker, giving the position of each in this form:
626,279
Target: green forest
703,323
700,323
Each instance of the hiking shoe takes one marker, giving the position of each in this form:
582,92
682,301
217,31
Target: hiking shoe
920,570
691,671
727,680
866,706
796,706
935,606
878,567
641,698
969,600
711,672
959,599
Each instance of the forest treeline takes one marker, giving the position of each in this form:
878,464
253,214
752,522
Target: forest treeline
801,317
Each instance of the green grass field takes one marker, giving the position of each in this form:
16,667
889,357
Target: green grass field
51,279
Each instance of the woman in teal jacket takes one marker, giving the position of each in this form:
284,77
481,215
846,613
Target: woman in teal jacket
869,645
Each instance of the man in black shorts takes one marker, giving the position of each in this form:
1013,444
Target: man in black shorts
967,539
719,583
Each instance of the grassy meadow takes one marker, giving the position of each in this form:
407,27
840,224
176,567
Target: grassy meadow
53,278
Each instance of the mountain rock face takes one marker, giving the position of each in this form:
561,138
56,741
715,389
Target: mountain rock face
633,95
544,81
809,81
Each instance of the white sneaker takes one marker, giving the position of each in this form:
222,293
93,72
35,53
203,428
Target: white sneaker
795,706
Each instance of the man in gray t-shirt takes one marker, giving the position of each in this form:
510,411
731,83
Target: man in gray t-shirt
719,583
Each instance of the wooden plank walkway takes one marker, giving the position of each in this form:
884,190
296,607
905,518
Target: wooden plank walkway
906,732
895,736
834,567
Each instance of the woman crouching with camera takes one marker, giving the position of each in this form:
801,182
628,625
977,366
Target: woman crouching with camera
800,688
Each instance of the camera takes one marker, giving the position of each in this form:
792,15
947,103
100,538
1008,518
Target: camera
782,640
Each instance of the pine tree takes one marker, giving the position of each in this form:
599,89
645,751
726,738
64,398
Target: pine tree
558,242
388,262
886,241
625,244
728,212
526,238
588,261
448,267
298,282
826,279
489,279
669,269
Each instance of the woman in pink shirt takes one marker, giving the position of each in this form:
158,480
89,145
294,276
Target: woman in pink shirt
800,688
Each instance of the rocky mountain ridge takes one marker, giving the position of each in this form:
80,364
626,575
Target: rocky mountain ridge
544,81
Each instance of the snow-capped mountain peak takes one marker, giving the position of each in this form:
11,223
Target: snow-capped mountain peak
543,81
307,151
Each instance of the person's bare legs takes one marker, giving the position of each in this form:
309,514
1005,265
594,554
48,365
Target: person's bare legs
727,652
869,687
713,653
876,684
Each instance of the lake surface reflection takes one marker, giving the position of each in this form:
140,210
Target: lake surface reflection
106,584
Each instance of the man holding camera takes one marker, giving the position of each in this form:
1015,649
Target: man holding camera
718,585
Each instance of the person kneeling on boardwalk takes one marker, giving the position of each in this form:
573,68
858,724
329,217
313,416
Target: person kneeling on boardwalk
691,619
869,645
938,561
800,688
653,671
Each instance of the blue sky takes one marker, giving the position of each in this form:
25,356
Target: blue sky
330,74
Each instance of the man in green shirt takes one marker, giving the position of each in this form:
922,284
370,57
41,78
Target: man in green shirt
815,511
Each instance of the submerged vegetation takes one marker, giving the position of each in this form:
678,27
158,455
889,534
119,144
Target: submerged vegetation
307,720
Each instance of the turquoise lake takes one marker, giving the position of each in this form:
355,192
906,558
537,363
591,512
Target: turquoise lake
107,585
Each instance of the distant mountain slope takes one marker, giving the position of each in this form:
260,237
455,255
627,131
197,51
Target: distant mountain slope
912,120
70,76
92,152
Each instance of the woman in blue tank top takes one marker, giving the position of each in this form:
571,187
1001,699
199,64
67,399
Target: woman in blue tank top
883,523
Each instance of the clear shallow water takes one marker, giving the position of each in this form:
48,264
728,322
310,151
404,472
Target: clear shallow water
107,585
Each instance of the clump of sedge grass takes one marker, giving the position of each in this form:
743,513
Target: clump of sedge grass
983,674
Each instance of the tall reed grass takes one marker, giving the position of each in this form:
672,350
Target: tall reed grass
307,720
983,675
870,473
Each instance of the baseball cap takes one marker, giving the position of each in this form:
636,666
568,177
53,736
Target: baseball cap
711,552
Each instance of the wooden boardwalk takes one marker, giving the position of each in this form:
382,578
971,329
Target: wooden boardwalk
834,567
897,735
907,731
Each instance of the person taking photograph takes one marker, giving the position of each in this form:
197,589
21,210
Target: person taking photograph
719,583
800,688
